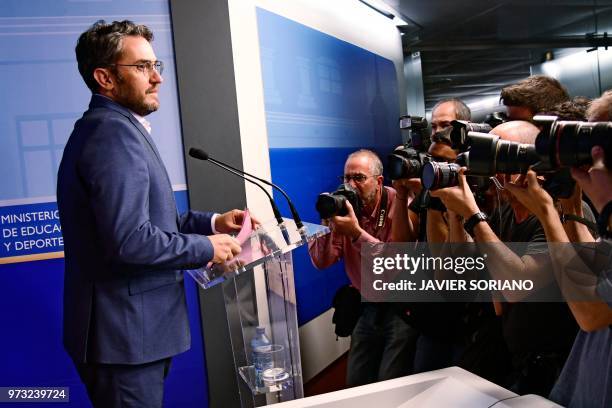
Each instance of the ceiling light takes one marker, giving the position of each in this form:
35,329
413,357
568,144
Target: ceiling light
386,11
549,56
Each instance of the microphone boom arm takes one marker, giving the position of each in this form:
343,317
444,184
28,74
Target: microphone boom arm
296,217
277,214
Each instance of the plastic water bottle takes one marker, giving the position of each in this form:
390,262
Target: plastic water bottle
262,359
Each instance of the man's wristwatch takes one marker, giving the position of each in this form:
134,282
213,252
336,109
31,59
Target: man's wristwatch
471,222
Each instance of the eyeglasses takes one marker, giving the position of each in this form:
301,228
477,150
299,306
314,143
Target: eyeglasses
358,178
145,66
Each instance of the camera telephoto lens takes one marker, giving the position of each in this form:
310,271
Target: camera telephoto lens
405,162
489,155
329,205
568,143
438,175
514,158
403,168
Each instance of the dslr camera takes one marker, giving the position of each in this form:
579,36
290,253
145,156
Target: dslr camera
562,143
459,131
496,118
438,175
331,204
407,161
418,132
488,154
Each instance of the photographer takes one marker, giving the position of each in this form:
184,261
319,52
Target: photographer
407,219
382,343
538,335
585,379
534,94
443,326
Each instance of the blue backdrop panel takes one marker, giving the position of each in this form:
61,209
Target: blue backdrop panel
31,351
43,93
324,98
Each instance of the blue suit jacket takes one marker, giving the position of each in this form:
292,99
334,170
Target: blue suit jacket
124,243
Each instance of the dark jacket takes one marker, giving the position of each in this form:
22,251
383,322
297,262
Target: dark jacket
125,244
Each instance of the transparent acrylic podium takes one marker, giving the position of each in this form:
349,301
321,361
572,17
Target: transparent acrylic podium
259,290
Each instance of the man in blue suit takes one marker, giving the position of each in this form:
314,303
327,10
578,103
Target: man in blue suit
125,313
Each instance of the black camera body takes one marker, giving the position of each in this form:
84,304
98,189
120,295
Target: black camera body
331,204
488,155
419,132
559,184
406,162
494,119
562,144
460,130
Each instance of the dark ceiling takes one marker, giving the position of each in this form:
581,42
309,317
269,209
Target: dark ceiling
471,49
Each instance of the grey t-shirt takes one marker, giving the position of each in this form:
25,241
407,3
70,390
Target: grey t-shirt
530,326
586,379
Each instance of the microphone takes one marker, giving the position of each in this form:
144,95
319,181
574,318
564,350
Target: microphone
202,155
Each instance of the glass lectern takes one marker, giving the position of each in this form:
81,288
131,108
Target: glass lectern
259,291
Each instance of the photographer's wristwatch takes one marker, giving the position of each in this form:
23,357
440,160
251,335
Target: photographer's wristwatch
471,222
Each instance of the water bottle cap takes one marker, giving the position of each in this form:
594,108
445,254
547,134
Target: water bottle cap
260,330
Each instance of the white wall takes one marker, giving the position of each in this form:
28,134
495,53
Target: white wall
348,20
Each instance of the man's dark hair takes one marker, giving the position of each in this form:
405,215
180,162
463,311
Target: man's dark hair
539,93
462,111
571,110
102,44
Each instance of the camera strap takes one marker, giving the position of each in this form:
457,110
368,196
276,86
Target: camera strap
382,211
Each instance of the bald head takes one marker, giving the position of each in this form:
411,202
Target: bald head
376,166
600,109
517,131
